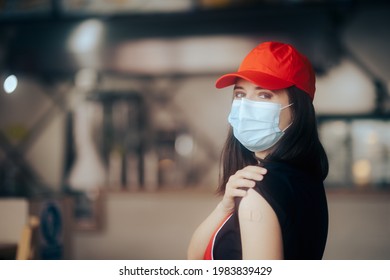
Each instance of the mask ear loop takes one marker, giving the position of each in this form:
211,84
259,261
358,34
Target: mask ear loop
286,106
287,127
291,122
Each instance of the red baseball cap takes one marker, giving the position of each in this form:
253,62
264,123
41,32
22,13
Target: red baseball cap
274,65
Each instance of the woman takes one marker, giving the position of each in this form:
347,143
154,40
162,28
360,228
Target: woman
273,165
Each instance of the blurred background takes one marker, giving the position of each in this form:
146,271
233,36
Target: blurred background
111,128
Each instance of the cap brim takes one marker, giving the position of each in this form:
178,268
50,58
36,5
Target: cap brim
258,78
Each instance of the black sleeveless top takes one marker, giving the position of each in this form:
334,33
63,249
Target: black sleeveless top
299,202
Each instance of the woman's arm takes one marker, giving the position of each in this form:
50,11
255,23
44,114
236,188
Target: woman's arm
203,233
261,236
244,178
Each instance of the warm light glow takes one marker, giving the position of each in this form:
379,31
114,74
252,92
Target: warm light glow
166,164
10,84
87,36
361,171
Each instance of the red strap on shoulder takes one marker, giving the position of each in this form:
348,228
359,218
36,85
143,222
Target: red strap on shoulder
208,254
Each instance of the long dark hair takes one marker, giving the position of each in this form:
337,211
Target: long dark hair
300,145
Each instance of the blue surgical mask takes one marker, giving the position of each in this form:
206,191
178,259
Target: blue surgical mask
256,124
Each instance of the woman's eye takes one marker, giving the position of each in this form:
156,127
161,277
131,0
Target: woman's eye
239,95
265,95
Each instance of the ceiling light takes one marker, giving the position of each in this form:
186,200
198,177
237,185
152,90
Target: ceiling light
10,84
87,36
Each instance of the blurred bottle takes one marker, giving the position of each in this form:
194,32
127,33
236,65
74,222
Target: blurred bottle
88,172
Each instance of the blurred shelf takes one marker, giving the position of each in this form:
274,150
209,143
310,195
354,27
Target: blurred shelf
356,192
370,116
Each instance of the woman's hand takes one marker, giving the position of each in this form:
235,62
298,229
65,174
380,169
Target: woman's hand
237,186
239,183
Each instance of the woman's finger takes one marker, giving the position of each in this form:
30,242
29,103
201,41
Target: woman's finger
239,193
241,183
256,169
248,174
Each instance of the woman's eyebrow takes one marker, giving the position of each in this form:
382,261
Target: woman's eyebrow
256,88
